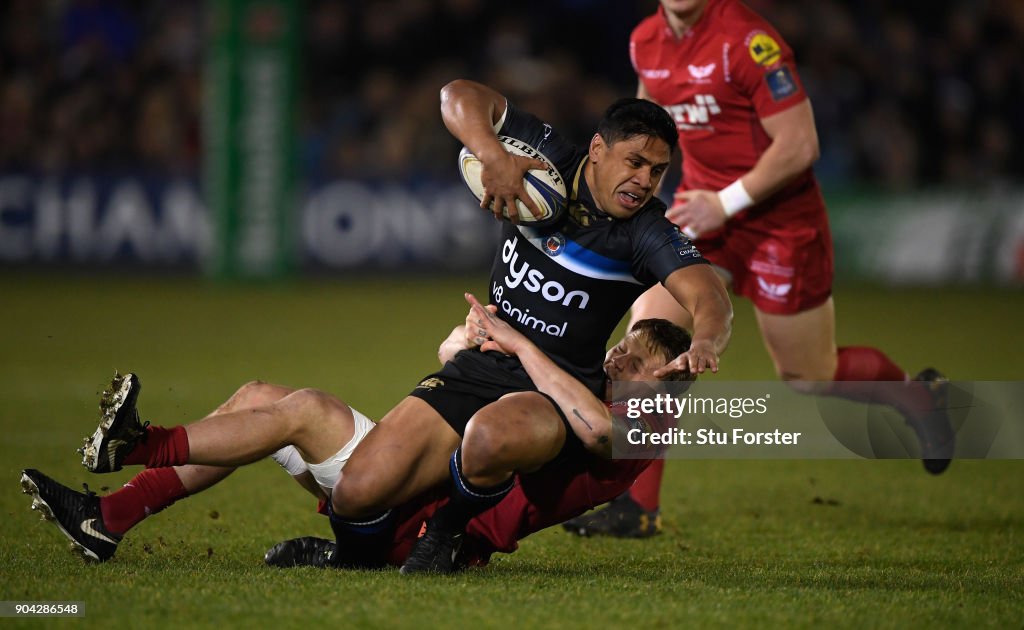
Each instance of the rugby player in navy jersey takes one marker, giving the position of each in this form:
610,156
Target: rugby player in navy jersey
565,288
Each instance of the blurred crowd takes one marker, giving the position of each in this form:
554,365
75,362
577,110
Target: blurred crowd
905,94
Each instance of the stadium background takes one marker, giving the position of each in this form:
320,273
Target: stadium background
108,244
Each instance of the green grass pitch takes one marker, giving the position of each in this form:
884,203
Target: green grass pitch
747,543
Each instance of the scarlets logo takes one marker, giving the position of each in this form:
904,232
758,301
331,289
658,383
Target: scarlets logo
701,73
773,290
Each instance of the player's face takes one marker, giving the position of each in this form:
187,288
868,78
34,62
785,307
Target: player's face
632,360
685,10
626,174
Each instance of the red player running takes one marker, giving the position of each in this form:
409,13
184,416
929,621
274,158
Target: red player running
750,200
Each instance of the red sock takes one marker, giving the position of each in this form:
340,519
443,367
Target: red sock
160,448
147,493
647,487
858,363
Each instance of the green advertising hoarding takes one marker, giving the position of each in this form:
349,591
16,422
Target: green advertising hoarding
250,136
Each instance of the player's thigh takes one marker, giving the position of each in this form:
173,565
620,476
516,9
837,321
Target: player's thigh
520,431
657,302
406,453
802,345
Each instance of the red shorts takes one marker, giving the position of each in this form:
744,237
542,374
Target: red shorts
778,254
557,492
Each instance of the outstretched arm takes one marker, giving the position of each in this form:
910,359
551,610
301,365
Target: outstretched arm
589,417
699,291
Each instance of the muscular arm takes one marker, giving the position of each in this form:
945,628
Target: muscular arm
793,150
589,417
697,289
470,111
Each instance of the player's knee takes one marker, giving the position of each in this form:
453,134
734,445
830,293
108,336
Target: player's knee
484,446
355,495
252,394
310,404
349,497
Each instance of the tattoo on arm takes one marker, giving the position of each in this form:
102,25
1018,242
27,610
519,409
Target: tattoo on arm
577,413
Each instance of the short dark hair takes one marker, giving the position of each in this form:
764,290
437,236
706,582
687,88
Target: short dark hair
629,117
665,338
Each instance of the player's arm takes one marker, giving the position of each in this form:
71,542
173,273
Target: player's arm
453,344
697,289
589,417
793,149
461,338
471,111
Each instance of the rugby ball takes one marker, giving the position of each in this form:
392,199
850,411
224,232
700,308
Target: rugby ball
545,187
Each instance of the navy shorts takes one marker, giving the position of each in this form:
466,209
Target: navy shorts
472,380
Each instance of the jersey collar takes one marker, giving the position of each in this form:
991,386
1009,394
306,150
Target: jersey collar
581,195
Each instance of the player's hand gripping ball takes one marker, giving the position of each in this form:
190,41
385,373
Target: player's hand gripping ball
545,187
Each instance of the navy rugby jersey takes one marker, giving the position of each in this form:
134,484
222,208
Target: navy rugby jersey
567,287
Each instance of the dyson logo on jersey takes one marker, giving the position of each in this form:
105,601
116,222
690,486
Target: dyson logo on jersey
533,280
523,315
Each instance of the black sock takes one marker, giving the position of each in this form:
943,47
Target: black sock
362,543
466,499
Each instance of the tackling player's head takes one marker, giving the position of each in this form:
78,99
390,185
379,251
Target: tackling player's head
650,344
628,155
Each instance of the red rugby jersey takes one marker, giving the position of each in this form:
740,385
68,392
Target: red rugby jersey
729,70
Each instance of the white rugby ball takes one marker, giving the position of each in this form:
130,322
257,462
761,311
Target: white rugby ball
546,188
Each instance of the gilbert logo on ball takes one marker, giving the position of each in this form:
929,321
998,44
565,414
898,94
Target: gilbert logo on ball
545,187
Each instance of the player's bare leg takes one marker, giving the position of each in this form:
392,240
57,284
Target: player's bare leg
95,525
802,346
316,423
805,355
405,454
517,433
155,489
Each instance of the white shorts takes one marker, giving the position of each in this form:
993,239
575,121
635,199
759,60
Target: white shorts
326,472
